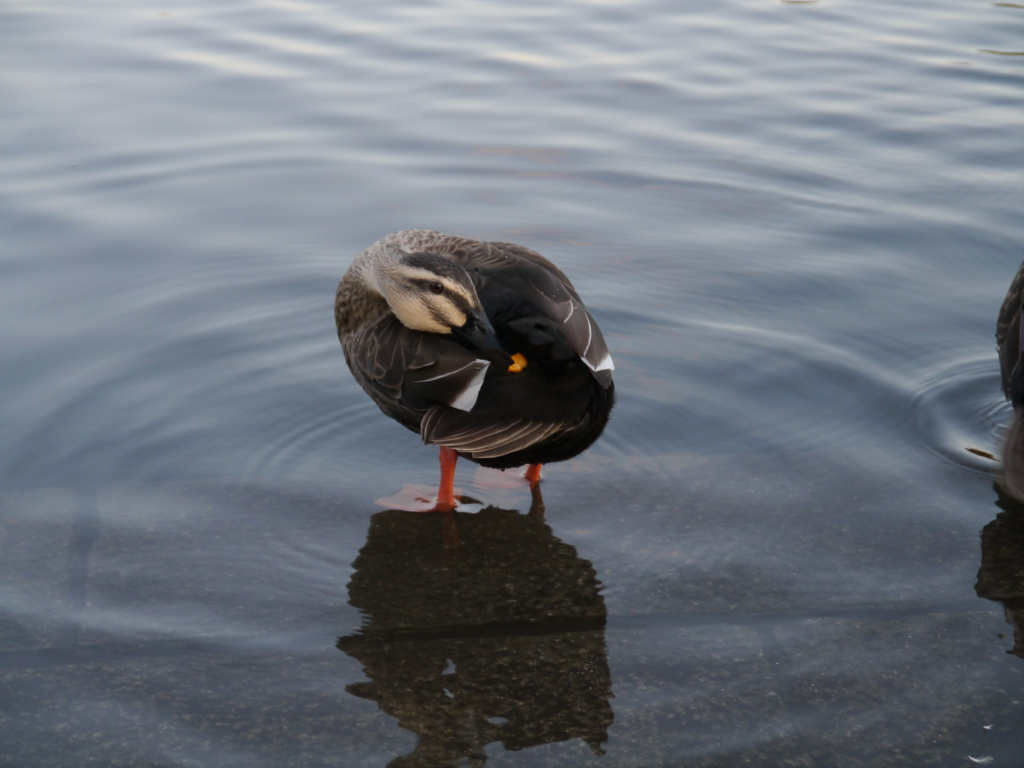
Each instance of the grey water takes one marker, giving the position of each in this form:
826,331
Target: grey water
795,223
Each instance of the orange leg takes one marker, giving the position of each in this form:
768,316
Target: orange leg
446,492
532,475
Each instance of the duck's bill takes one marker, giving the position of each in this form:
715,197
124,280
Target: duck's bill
477,333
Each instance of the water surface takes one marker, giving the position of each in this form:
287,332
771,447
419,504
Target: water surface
795,223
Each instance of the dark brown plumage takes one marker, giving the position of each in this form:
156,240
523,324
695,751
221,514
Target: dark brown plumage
429,323
1009,342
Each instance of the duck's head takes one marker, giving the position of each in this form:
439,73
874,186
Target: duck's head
433,293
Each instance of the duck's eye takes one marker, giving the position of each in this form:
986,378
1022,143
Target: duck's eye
436,287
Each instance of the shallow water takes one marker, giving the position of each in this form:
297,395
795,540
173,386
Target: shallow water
795,223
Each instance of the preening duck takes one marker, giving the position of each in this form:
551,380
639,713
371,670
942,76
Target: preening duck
483,348
1010,342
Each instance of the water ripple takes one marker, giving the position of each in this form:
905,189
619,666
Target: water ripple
958,409
314,434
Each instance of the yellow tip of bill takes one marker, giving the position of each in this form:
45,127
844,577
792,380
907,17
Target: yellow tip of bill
518,363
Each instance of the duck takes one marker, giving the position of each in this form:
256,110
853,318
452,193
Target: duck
1010,343
1010,346
484,349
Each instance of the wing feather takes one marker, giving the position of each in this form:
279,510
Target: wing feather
490,439
536,434
550,292
416,369
488,436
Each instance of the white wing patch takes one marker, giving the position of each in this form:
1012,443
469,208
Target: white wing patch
467,398
606,364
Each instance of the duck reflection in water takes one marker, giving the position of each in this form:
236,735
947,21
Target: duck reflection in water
1001,575
479,628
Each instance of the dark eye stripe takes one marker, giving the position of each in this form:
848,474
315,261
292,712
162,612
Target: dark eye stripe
441,319
456,298
460,301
